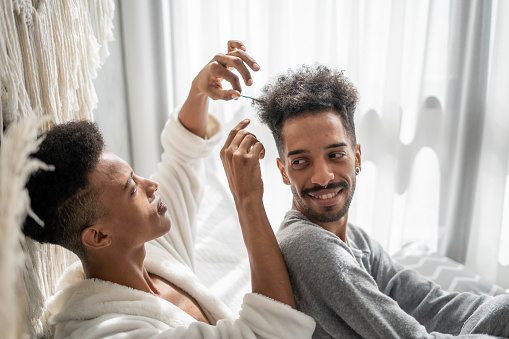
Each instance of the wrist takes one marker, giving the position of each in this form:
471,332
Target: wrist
196,95
193,114
252,215
248,202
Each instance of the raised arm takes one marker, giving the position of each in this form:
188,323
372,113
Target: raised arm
240,156
180,172
207,83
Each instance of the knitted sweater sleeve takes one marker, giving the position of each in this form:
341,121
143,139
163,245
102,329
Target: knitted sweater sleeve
344,299
436,309
330,286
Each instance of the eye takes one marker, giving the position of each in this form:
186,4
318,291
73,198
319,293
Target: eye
134,189
299,163
337,155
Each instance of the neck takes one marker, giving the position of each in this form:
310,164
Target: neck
122,268
337,227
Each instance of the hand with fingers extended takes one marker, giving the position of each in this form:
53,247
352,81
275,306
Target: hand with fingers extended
240,155
208,81
207,84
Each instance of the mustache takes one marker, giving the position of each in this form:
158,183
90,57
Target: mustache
342,184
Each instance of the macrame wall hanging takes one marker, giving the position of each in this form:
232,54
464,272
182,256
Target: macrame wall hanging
50,51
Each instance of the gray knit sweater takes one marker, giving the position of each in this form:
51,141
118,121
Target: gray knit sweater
356,290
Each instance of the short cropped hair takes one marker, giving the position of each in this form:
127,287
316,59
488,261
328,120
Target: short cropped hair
307,90
64,199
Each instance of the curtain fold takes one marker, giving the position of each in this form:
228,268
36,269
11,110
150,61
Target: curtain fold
465,108
432,120
146,66
490,223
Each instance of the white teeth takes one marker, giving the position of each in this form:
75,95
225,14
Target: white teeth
326,196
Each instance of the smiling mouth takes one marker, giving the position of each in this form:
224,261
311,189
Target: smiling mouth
325,196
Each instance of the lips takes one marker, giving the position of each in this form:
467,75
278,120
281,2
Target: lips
161,207
326,197
333,187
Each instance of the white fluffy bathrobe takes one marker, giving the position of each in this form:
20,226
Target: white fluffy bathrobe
92,308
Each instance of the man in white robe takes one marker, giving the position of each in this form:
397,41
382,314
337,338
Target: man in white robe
135,279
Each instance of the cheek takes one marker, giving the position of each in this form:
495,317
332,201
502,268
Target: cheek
296,178
296,189
135,214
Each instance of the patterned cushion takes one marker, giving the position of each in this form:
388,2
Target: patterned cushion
449,274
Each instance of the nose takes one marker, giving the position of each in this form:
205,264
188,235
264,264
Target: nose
322,173
150,187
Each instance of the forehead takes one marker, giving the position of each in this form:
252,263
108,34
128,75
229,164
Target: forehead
110,170
311,130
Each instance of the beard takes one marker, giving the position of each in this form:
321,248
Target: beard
327,214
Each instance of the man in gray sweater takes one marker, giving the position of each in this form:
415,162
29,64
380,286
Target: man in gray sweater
340,276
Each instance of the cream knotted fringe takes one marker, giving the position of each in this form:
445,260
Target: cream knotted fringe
49,55
50,51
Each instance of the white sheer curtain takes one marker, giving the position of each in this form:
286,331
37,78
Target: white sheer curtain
433,119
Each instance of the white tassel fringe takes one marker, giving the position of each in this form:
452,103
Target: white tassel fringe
50,51
15,169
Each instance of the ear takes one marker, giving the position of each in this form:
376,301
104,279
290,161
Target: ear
281,167
358,156
95,237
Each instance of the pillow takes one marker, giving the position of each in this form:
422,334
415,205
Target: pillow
449,274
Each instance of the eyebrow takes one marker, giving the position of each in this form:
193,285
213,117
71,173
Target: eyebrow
300,151
339,144
128,182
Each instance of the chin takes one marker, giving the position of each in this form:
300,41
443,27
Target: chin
325,214
164,230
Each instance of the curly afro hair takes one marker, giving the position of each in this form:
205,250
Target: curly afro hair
307,90
64,199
